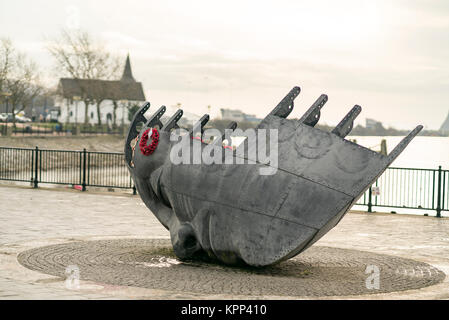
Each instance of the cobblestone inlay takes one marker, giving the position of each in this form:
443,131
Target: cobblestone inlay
150,263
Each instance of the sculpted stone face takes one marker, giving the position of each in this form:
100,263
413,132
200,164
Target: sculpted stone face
235,212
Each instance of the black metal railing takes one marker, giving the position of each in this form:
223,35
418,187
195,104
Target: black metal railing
79,168
33,129
408,188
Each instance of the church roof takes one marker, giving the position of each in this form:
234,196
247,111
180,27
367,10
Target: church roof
124,89
106,89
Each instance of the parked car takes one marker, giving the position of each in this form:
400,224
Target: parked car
4,116
22,119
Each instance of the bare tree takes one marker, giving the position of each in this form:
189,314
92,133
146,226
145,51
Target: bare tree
114,113
116,103
82,58
19,77
6,57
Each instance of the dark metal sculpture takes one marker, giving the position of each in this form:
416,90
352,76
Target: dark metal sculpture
236,215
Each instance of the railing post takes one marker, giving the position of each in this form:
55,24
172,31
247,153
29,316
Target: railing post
439,193
36,163
370,204
84,169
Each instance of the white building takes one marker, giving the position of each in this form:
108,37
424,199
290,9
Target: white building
371,124
116,96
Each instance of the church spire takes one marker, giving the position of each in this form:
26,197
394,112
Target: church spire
127,73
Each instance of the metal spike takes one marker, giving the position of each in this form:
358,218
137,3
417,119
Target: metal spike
312,115
230,126
199,125
285,107
173,122
133,132
345,125
404,142
156,118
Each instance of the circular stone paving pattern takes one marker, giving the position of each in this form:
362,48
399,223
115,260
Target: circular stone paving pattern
319,271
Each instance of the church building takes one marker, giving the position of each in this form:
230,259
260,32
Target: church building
115,97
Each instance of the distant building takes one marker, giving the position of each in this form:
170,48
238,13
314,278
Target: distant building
445,126
116,93
238,115
372,124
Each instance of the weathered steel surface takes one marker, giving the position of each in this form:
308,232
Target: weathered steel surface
235,214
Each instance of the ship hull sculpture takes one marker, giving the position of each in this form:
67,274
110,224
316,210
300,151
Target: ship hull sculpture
235,214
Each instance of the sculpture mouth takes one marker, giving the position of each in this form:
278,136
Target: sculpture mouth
185,243
190,242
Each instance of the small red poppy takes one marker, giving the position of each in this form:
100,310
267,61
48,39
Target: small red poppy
149,149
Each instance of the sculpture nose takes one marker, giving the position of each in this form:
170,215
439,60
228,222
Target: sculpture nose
184,242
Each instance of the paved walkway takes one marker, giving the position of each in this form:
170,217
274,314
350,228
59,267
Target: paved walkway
31,218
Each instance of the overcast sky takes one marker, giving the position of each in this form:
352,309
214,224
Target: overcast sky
390,57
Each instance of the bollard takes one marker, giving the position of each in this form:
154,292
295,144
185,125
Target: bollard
370,196
84,169
36,163
439,193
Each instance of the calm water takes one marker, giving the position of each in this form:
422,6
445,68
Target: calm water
422,152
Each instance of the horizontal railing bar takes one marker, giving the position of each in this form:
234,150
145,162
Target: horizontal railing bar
15,148
417,169
101,152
